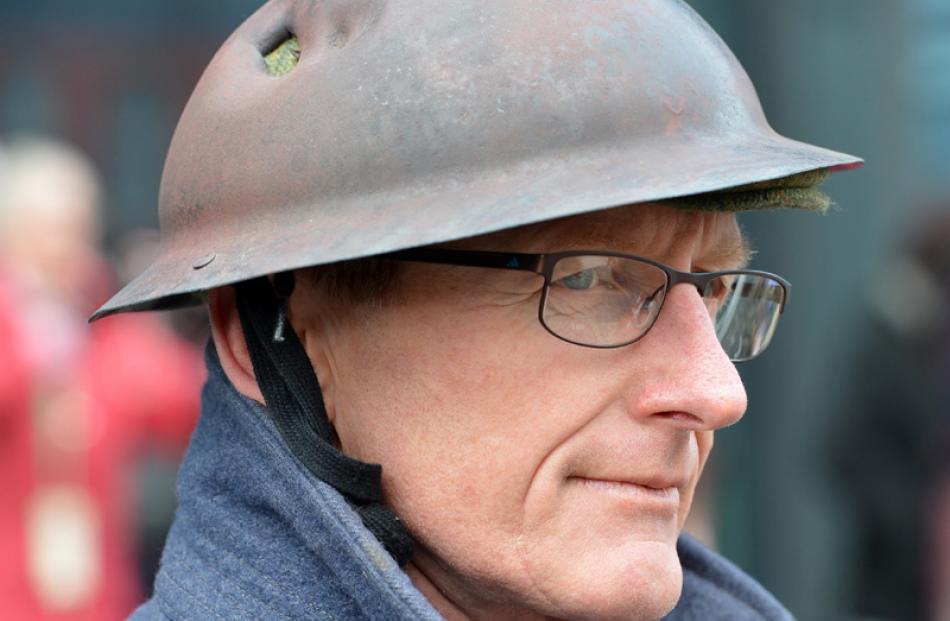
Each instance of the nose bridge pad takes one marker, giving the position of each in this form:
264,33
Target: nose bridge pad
699,282
700,287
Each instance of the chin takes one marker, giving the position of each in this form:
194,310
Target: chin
639,581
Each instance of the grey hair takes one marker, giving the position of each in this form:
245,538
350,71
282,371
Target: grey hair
27,158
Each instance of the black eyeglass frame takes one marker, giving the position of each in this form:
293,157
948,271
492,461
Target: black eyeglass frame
543,265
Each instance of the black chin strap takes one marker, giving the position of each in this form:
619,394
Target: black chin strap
295,404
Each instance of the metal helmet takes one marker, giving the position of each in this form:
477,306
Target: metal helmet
411,122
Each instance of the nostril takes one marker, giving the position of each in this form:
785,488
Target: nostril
683,418
284,57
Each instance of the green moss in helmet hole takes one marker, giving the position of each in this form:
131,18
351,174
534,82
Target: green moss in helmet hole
284,57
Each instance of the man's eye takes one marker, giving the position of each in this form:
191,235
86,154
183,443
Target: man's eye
584,279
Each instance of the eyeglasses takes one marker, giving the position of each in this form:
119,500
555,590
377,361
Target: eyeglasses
611,299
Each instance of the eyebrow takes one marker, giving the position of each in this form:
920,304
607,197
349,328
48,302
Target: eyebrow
734,254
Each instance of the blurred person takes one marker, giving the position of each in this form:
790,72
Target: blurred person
890,445
929,249
76,403
476,290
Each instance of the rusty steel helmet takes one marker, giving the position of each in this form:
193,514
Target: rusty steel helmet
401,123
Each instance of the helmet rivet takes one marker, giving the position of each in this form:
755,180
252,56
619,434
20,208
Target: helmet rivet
204,261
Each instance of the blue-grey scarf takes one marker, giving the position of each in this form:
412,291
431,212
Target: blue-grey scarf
256,536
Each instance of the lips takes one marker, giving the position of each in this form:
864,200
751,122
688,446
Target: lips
657,482
656,492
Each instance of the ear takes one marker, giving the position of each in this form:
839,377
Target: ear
308,314
229,341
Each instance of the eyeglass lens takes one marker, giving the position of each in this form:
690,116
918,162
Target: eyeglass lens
607,301
748,313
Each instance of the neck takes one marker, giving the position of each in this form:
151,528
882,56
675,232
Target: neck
439,601
456,606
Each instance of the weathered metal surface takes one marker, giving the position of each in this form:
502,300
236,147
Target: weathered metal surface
409,122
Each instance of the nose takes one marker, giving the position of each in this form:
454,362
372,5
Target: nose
692,382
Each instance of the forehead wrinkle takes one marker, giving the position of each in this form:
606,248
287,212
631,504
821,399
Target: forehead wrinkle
645,229
602,235
598,231
574,232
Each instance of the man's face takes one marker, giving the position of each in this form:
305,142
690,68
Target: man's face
537,477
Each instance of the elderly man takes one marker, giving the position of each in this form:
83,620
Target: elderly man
476,289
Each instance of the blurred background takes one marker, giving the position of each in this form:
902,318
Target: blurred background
834,491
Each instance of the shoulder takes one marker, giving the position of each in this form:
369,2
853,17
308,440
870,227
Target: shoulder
715,589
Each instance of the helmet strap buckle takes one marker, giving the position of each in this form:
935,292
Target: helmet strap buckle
284,288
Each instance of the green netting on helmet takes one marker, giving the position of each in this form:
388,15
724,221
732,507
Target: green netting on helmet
800,191
284,58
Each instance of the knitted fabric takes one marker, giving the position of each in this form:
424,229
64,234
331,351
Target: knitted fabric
793,192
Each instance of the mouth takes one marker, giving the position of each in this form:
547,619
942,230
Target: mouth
663,499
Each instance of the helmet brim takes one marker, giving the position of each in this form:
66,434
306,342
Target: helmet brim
222,253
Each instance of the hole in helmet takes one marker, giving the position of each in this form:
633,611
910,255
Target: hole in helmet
283,58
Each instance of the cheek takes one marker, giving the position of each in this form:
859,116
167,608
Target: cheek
704,444
439,393
460,421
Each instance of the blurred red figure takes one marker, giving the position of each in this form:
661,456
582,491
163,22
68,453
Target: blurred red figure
76,403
